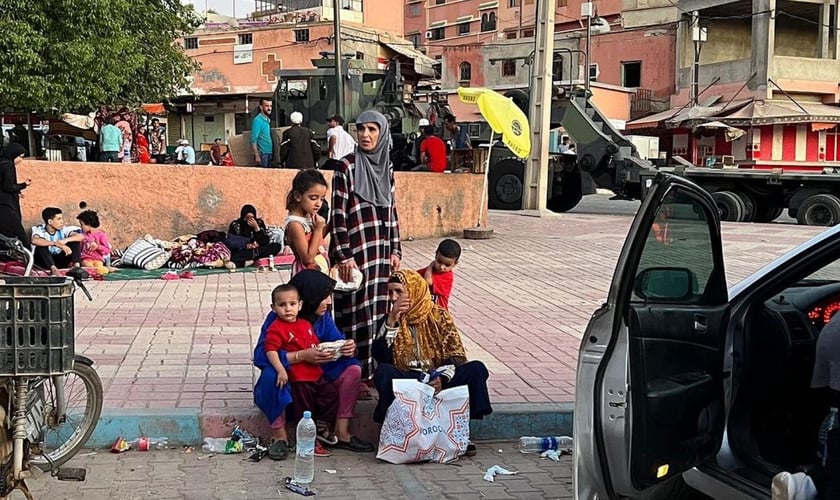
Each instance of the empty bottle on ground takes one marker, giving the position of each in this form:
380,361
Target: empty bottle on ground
305,450
532,444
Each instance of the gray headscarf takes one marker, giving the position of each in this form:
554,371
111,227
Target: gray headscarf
372,178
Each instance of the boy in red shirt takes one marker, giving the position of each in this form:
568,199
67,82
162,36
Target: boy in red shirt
439,273
432,152
296,337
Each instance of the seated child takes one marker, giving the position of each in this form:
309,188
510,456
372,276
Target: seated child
96,249
439,273
310,391
305,227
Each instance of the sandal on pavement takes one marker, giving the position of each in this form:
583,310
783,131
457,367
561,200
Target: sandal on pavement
170,275
320,451
278,450
355,444
471,450
187,275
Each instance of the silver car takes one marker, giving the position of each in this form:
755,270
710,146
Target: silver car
685,385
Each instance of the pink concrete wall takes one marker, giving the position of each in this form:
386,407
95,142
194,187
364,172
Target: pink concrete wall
657,54
168,201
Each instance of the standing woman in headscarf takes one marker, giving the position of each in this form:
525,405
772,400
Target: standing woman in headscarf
365,232
10,189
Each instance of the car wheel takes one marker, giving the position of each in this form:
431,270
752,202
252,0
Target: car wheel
730,206
819,210
505,187
673,489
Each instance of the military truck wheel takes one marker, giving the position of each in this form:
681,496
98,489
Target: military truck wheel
749,207
819,210
568,193
767,214
504,185
729,205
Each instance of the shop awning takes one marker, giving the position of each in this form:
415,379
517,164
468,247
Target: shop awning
761,112
154,109
422,63
683,116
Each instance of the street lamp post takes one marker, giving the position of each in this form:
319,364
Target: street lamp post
586,10
339,82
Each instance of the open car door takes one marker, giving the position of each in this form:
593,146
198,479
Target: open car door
650,394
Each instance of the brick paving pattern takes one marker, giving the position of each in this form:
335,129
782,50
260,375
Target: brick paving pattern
173,474
522,300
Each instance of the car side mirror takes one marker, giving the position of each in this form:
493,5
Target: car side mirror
665,284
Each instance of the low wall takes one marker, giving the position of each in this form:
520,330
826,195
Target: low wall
167,201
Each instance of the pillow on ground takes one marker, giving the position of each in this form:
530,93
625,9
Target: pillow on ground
145,255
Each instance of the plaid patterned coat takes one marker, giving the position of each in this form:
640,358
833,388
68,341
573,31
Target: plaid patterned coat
369,235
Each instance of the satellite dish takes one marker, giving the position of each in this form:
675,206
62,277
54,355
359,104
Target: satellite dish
600,26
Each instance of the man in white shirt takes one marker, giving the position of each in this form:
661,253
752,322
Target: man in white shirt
184,153
55,244
340,142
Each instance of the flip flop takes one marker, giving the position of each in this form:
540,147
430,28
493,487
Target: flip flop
187,275
170,275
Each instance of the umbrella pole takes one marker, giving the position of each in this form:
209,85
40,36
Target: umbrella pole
486,174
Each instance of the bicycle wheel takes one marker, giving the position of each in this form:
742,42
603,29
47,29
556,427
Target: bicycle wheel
83,396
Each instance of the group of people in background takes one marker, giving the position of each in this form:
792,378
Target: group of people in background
392,325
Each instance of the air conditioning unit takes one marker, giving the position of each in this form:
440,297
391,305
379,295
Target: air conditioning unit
429,35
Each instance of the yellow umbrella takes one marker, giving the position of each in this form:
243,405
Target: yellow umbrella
505,118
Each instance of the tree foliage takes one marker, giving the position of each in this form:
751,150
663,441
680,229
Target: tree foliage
74,55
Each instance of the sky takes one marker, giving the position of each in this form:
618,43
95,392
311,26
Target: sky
225,7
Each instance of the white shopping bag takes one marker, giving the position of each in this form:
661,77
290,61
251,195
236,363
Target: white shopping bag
421,426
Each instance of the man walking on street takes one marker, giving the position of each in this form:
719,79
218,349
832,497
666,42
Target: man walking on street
261,134
340,142
297,148
110,142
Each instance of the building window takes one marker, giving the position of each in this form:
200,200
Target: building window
557,67
465,70
488,22
302,35
509,67
513,3
463,29
347,4
414,10
191,43
510,35
593,72
437,33
528,2
527,33
246,39
415,39
631,74
562,3
360,56
440,2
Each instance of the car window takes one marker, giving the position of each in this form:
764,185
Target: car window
680,238
830,272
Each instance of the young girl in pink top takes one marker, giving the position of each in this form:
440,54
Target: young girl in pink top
96,249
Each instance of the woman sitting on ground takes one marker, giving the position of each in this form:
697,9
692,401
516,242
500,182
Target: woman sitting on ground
315,291
418,337
248,239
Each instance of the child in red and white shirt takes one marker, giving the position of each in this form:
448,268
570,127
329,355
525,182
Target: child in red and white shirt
439,274
296,338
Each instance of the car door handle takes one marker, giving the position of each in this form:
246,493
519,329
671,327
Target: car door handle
700,323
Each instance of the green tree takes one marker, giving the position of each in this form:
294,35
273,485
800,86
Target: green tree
74,55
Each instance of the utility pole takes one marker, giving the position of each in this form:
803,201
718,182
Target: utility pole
539,114
339,82
698,36
586,10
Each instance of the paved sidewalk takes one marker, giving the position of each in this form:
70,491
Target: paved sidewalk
522,300
196,476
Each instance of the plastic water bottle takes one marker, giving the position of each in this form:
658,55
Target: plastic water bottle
531,444
830,423
305,450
